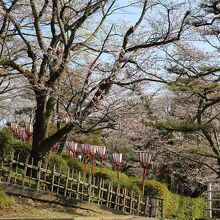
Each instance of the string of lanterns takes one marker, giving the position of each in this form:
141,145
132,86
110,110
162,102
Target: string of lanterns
22,133
92,151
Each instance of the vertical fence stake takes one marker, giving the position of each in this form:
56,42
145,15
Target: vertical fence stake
1,167
124,199
108,195
209,199
99,191
25,171
116,197
38,174
16,169
10,167
78,186
139,204
131,202
67,180
161,208
53,178
146,206
89,187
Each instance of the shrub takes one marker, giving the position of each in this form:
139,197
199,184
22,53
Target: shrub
74,165
5,141
5,200
174,206
10,144
111,176
58,161
21,148
190,208
154,188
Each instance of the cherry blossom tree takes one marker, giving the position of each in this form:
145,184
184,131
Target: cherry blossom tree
80,59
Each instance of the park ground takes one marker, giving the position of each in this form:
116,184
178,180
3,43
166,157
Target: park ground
27,208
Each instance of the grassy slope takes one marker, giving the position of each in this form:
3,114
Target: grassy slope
24,207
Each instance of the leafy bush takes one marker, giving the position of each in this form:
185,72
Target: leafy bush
190,208
10,144
112,176
5,141
74,165
58,161
5,200
21,148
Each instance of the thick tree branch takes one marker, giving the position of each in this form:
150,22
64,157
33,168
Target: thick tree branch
161,40
37,25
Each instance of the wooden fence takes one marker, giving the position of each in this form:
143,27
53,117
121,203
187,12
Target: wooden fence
213,198
73,185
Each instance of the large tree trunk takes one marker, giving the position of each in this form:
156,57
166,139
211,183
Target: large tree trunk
40,129
42,144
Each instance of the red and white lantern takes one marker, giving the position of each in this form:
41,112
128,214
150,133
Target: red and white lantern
72,148
14,127
93,151
22,133
29,131
85,149
117,158
86,152
101,151
145,158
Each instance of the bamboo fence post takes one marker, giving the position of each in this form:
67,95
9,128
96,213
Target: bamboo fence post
138,203
111,194
71,185
25,171
116,197
10,167
59,177
94,179
156,203
45,174
161,208
108,195
124,199
153,211
99,191
89,187
1,166
67,180
102,191
131,202
78,186
53,177
209,199
31,172
38,174
16,169
146,207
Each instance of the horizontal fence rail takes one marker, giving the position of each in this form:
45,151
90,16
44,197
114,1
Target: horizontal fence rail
48,177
